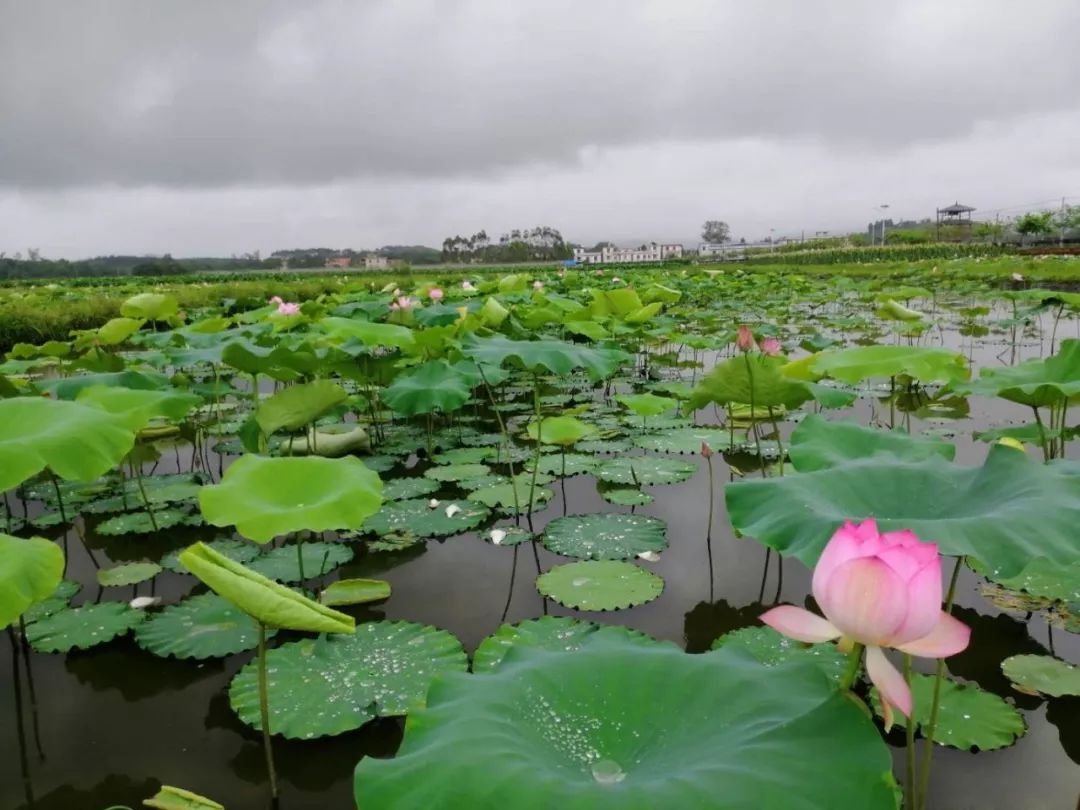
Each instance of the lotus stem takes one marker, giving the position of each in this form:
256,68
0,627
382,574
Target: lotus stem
753,422
536,455
264,713
935,702
779,441
142,492
1042,434
712,491
506,443
852,671
64,518
909,749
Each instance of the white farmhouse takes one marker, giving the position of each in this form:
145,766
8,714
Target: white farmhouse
614,255
375,262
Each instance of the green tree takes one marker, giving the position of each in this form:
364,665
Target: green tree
1034,223
715,232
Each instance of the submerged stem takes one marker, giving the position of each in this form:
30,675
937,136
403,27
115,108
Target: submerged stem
264,713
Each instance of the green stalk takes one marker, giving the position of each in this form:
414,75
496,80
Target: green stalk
1042,434
909,750
142,492
779,442
935,704
708,533
536,456
852,671
264,713
753,421
506,443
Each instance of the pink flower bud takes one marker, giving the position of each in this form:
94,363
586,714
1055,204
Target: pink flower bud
706,451
435,294
770,346
745,341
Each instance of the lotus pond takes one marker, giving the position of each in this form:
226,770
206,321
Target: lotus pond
506,543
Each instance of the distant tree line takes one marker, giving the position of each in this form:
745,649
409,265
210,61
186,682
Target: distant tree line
541,243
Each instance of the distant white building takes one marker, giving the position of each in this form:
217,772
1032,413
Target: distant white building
615,255
373,262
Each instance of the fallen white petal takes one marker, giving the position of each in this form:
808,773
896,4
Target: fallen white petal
452,510
649,556
433,503
140,602
497,536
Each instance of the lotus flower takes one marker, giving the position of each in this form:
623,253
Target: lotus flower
770,346
435,294
879,590
467,286
287,308
706,450
276,300
403,302
745,341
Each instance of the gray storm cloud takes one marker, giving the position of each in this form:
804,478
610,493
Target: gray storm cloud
217,95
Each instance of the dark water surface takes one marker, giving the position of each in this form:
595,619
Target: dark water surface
113,722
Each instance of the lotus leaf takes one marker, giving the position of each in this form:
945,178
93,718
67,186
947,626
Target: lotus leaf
30,571
203,626
56,601
261,598
605,536
554,356
600,585
82,627
457,472
818,444
141,522
75,441
137,407
173,798
1035,383
555,633
644,470
434,386
333,684
771,648
298,405
417,519
686,440
235,549
925,364
1042,674
623,496
370,334
559,430
571,730
265,497
127,574
150,306
647,404
355,592
399,489
989,513
282,564
751,378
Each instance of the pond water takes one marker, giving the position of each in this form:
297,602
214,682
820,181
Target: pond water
105,726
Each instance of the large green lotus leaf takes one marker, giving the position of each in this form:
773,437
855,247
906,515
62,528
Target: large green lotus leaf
399,489
1041,578
75,441
549,633
263,599
265,497
559,430
151,306
555,356
203,626
355,592
335,684
968,717
647,404
685,440
370,334
465,455
505,494
1042,674
141,523
82,627
457,472
925,364
30,571
565,464
643,470
56,601
117,330
818,444
771,648
632,727
434,386
1036,383
127,574
416,518
1006,513
137,407
749,378
609,536
600,585
298,405
70,387
282,564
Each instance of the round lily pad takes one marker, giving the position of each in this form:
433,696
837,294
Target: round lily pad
968,718
333,684
140,522
319,558
82,627
203,626
456,472
771,648
600,585
686,440
575,464
507,535
127,574
1042,674
418,519
609,536
623,496
642,470
400,489
605,727
548,633
240,551
58,600
464,455
501,496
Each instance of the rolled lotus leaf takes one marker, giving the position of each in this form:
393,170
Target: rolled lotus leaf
263,599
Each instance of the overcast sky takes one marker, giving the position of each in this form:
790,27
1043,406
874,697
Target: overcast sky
206,127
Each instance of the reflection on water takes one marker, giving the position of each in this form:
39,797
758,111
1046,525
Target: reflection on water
117,710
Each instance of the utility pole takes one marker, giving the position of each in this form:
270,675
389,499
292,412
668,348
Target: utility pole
1061,224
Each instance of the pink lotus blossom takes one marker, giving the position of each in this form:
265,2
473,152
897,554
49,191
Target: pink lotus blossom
287,308
706,450
538,285
435,294
467,286
403,302
276,300
770,346
745,341
879,590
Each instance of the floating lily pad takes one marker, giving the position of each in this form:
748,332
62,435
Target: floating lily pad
82,627
573,464
502,495
57,601
610,536
1040,578
127,574
203,626
771,648
603,446
333,684
354,592
400,489
417,519
140,522
968,718
507,535
600,585
686,440
282,565
456,472
605,727
241,551
465,455
1042,674
644,470
623,496
548,633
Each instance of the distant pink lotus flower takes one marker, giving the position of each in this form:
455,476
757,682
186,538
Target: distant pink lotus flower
276,300
286,308
435,294
745,341
706,450
403,302
879,590
467,286
771,346
538,285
